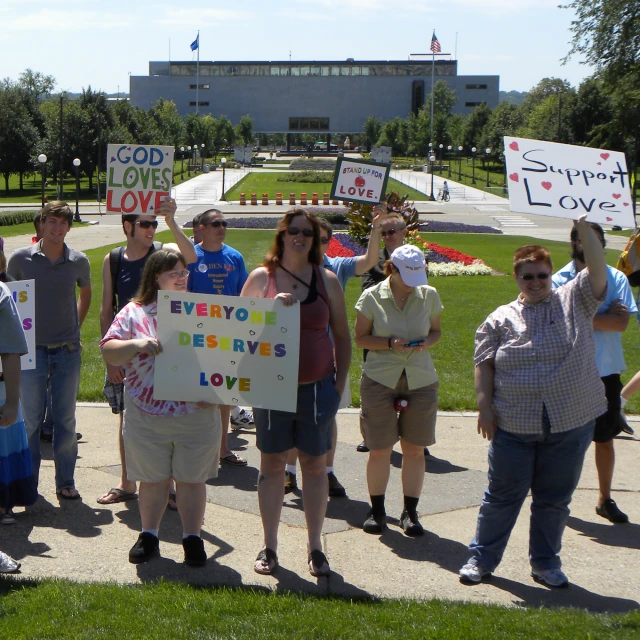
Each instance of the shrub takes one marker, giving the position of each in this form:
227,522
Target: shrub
10,218
306,176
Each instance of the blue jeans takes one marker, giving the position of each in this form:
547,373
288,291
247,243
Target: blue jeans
61,366
550,465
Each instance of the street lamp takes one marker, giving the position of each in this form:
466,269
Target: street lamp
223,162
42,159
473,165
76,164
189,161
202,155
441,147
182,158
504,184
432,159
460,164
487,151
449,147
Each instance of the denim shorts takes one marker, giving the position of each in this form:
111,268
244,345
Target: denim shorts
309,429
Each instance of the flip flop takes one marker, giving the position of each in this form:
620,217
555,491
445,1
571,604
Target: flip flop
68,495
233,459
269,558
315,560
120,496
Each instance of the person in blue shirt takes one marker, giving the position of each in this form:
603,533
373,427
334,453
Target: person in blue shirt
345,269
610,322
219,270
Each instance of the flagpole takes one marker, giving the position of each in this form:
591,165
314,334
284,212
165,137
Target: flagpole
198,74
433,68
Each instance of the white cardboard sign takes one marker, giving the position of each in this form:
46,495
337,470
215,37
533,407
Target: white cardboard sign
227,350
24,295
359,180
567,181
138,177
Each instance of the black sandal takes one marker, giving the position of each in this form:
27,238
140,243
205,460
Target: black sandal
317,559
269,558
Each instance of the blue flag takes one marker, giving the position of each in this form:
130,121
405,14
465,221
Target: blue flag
194,44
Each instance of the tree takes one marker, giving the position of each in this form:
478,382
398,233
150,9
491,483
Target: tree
244,130
475,123
372,129
36,83
545,88
169,124
394,134
592,115
444,99
505,120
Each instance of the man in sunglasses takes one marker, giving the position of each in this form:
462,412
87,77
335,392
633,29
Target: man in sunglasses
220,270
121,272
609,323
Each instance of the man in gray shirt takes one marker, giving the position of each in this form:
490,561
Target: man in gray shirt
57,270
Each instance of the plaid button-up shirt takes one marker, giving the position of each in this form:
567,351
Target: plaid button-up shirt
544,354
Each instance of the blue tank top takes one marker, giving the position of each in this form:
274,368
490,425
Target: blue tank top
129,276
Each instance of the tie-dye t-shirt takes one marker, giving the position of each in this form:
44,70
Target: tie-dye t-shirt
137,321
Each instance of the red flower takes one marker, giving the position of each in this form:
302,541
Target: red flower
337,250
452,254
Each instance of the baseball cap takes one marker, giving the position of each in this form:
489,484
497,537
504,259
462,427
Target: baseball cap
410,262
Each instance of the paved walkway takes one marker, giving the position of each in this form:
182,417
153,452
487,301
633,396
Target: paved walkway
89,542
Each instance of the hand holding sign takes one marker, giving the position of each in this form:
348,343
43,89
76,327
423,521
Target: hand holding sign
167,208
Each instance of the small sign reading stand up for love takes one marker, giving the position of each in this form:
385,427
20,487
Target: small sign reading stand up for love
359,180
567,181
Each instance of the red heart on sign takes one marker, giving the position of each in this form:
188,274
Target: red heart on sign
609,219
546,185
616,195
514,146
604,156
626,204
514,177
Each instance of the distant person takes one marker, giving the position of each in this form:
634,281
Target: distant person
37,223
610,321
539,394
197,231
57,270
121,274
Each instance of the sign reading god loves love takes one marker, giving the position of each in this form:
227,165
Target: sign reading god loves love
566,181
24,295
359,180
227,350
138,177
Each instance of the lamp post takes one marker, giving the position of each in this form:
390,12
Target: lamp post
441,147
223,162
473,165
182,158
202,155
76,165
460,163
432,159
189,161
487,152
449,147
42,159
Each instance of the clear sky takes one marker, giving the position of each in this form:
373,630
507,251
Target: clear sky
98,43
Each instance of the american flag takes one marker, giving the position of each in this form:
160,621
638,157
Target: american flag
435,45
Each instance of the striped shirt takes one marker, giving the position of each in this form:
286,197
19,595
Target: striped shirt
544,354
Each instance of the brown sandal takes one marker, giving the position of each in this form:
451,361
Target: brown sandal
316,561
269,559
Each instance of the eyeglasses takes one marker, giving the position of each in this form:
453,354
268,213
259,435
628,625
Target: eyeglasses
215,224
532,276
147,224
294,231
178,274
324,240
391,232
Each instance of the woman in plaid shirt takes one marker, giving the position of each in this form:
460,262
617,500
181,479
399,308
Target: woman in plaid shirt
539,394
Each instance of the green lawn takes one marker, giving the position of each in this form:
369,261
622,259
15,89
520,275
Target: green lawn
259,183
64,610
467,301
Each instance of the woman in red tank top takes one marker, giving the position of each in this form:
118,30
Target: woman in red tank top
292,273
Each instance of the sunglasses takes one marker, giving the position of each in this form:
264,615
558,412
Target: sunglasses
147,224
532,276
294,231
391,232
178,274
215,224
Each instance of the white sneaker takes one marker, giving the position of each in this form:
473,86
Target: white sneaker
550,577
473,573
8,564
244,420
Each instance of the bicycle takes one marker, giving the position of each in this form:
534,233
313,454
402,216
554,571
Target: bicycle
443,196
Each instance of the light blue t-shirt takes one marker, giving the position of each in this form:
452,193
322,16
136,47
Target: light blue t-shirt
344,268
609,355
219,272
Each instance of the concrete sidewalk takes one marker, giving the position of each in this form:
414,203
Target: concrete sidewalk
89,542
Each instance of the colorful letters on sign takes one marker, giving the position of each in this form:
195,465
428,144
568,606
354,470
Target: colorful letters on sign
227,350
24,295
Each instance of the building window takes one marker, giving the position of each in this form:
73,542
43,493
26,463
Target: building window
199,86
335,71
473,104
355,71
365,71
294,123
200,103
345,71
275,71
309,124
295,71
475,86
323,124
326,71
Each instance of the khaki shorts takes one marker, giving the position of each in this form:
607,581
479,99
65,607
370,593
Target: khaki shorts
379,423
159,447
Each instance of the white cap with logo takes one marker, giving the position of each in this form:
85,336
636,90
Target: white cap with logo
410,262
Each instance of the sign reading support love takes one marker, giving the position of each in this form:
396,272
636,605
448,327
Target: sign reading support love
138,177
567,181
359,180
24,296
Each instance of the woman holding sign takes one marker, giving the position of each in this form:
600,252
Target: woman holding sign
162,438
292,272
539,393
